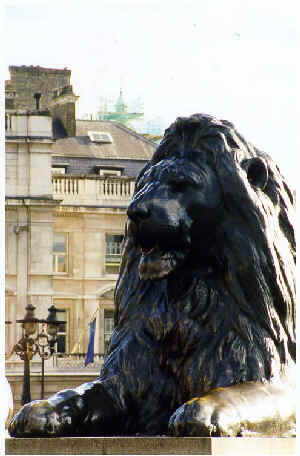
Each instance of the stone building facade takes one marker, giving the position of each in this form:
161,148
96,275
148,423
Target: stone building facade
29,217
95,181
68,184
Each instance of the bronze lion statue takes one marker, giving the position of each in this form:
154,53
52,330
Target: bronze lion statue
204,342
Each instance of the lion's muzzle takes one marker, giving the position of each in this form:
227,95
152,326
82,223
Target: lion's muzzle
164,243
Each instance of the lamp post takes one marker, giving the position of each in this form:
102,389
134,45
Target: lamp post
47,340
43,344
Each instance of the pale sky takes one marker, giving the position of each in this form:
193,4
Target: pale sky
235,59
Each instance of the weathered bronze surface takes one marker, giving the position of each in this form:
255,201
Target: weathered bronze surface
204,343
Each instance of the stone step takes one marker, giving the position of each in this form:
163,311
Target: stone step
152,445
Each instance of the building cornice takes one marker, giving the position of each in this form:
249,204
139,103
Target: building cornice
71,210
45,201
29,139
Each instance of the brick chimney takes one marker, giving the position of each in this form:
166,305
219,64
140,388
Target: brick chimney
29,80
10,96
62,108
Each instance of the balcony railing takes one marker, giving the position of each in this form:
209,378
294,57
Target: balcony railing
93,190
75,361
58,362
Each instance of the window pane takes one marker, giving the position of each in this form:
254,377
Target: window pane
62,328
112,269
62,315
113,248
108,326
61,263
58,170
108,313
61,343
118,238
109,172
108,321
60,242
106,344
60,252
62,331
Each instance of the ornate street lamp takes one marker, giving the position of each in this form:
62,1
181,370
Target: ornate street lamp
46,340
43,344
26,348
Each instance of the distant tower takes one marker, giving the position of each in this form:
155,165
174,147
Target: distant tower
120,105
120,113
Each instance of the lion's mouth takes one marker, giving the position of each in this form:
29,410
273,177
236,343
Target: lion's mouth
157,262
162,251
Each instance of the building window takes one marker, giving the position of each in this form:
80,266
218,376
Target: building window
57,170
60,168
60,253
109,172
113,248
100,136
108,327
62,332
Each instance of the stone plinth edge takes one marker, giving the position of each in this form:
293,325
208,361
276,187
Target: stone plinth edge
152,445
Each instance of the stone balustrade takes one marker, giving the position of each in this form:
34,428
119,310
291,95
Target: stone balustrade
93,190
75,361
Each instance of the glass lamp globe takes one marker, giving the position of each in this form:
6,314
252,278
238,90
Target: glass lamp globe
30,327
52,329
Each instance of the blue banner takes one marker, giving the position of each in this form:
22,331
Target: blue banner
90,352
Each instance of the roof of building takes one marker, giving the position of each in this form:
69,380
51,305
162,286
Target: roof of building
37,68
126,143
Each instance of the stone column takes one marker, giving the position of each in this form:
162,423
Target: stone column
22,235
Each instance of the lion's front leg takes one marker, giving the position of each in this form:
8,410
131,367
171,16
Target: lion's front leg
245,409
85,410
56,416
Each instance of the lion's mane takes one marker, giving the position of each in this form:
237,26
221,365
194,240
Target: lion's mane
240,327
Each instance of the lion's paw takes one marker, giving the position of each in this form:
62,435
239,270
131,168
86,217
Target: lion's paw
203,417
37,418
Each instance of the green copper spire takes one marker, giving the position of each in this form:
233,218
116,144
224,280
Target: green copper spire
120,113
120,105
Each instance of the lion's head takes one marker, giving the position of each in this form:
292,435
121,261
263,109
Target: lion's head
209,201
174,211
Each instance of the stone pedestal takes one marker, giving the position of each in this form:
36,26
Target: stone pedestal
152,445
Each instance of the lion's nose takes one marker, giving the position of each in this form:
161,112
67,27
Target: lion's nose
137,212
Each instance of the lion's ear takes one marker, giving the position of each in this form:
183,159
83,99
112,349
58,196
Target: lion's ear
257,171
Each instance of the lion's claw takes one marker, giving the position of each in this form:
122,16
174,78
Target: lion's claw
36,418
203,418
